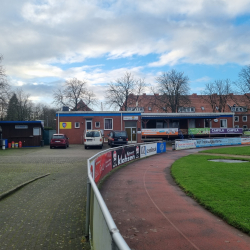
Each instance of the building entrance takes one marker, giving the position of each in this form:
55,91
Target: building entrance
132,132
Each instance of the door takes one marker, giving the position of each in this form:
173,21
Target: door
88,124
132,138
128,130
134,135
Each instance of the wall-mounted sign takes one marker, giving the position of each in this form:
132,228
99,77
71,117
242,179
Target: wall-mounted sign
65,125
215,120
199,131
21,126
162,131
226,131
130,118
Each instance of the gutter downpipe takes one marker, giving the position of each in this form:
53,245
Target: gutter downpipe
121,121
233,119
58,125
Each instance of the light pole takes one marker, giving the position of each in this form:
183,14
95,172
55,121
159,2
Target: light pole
47,121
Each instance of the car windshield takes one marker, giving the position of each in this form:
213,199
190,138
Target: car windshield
58,137
93,134
121,133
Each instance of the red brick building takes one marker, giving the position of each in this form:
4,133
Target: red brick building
146,119
75,123
235,104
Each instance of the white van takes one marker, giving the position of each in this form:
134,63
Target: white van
93,138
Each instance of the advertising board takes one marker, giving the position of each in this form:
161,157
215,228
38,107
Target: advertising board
161,131
161,147
217,142
226,131
148,149
103,165
234,141
185,144
123,155
199,131
245,141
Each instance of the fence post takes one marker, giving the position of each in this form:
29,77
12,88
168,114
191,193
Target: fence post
87,210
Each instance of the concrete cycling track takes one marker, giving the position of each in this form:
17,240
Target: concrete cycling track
152,212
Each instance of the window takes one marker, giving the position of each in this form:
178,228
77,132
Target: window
223,123
108,123
244,118
149,108
77,124
238,109
207,123
135,109
36,131
236,118
244,126
93,134
186,109
236,126
159,124
97,124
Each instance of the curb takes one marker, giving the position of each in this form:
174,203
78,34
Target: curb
13,190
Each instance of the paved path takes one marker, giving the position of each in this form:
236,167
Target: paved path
152,212
49,213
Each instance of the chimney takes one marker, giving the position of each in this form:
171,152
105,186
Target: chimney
144,94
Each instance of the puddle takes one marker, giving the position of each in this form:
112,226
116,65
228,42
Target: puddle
228,161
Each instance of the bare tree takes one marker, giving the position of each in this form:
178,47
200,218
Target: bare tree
217,94
74,95
243,83
172,91
4,91
124,91
45,113
25,105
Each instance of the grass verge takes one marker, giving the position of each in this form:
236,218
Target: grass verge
229,151
222,188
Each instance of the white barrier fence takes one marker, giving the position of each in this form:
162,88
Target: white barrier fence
100,227
199,143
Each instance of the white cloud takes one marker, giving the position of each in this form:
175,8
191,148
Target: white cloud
37,37
170,58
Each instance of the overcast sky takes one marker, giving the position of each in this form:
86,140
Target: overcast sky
46,42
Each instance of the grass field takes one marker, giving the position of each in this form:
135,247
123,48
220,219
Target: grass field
222,188
229,151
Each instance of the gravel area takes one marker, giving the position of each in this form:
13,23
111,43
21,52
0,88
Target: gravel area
48,213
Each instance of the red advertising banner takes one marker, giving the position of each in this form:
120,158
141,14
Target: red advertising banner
103,165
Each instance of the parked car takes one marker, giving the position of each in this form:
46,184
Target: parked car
59,140
93,138
117,138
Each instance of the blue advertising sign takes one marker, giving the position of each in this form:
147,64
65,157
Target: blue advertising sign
217,142
161,147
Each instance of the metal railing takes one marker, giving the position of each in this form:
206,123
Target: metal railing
100,217
100,227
